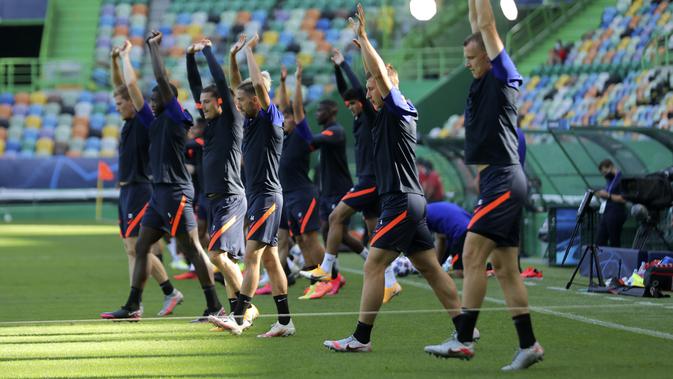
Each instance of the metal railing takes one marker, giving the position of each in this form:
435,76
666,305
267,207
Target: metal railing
32,74
425,63
658,53
538,25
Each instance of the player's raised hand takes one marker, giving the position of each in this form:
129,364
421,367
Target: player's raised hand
114,54
283,73
337,57
238,46
154,37
206,42
359,25
297,74
125,49
252,42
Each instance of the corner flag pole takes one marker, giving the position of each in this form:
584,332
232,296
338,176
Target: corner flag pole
99,199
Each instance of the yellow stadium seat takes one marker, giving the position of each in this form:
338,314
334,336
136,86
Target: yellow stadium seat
195,30
107,153
44,146
260,59
33,122
305,58
111,131
183,95
270,37
38,97
2,147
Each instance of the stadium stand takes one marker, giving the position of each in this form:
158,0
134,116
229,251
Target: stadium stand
608,78
85,124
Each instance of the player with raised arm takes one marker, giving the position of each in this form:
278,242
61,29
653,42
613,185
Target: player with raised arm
262,145
363,197
401,227
222,137
493,231
135,187
170,208
300,196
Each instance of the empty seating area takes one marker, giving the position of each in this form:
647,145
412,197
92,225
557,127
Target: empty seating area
289,30
75,124
606,79
81,123
119,20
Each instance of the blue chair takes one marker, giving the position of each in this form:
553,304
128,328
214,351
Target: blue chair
92,143
7,98
35,110
12,145
49,121
85,96
20,110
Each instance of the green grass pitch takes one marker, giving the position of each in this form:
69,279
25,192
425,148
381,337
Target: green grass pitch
73,272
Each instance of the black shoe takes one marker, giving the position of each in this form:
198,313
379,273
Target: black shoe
123,313
210,312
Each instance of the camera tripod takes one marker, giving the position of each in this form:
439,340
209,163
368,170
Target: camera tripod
647,228
591,249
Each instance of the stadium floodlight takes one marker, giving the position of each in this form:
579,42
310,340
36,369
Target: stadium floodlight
509,9
423,10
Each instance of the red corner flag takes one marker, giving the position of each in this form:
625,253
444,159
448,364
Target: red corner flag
104,171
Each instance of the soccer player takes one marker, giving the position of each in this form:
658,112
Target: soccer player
170,208
449,223
363,197
222,137
300,197
135,188
401,227
262,145
491,144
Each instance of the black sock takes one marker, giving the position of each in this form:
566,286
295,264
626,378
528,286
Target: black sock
524,328
242,304
456,322
135,297
232,303
363,332
335,272
167,287
212,301
467,321
283,309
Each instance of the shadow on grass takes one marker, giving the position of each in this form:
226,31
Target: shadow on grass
126,356
93,338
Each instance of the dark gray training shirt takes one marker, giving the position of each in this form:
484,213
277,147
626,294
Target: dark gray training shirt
491,115
134,146
262,146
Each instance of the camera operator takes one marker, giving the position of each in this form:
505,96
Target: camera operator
614,207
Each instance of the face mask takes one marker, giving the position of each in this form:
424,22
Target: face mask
609,176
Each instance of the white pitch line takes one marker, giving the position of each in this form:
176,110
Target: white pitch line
560,289
546,310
